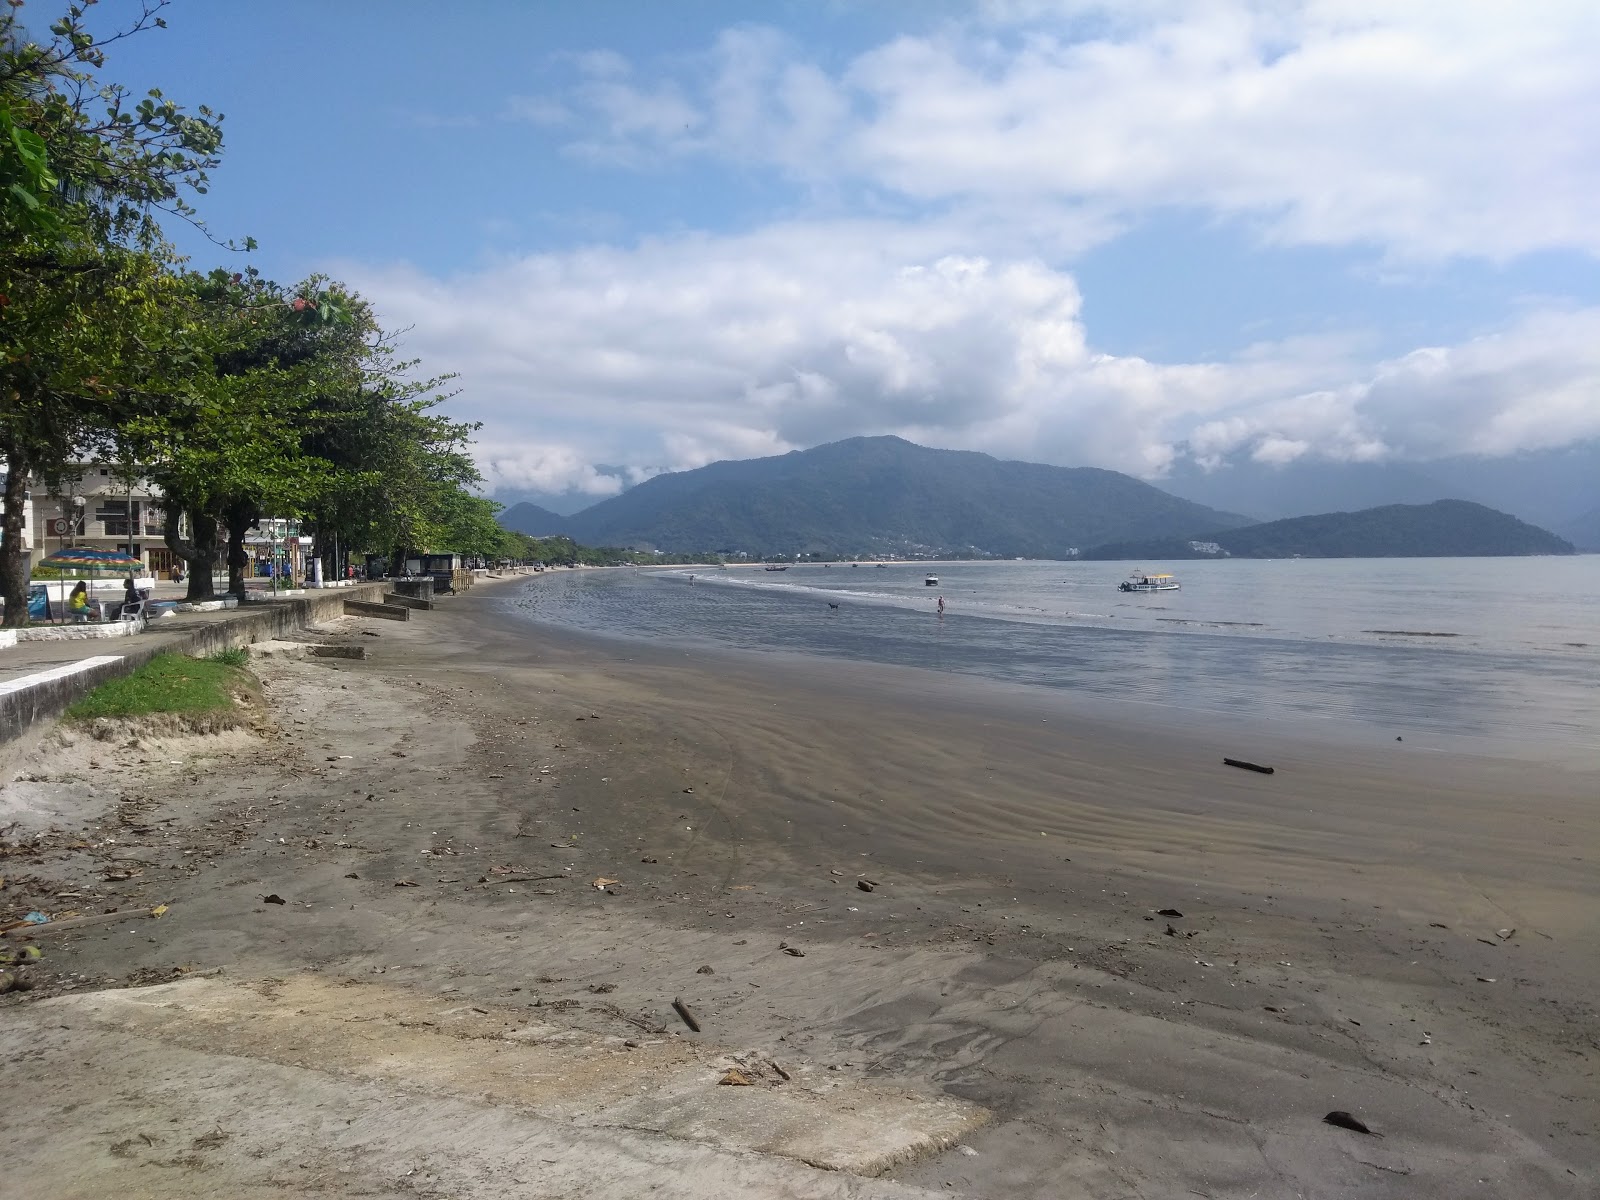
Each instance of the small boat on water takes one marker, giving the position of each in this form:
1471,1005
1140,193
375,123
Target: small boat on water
930,581
1140,581
776,567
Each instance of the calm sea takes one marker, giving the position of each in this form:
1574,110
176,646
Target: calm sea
1498,648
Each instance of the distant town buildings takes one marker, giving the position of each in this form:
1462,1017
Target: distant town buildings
1206,548
103,507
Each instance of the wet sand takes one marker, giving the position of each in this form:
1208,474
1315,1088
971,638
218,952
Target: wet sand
1404,930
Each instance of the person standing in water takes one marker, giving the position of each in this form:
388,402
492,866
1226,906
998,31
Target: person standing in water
941,606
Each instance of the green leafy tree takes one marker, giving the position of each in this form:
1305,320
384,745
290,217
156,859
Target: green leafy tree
86,173
230,449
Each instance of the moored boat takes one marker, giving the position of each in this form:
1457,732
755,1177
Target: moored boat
930,581
1141,581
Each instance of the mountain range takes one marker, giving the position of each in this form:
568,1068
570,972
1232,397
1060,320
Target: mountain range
1442,529
877,496
1556,489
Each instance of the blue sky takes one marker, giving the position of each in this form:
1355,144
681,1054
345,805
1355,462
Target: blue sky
654,235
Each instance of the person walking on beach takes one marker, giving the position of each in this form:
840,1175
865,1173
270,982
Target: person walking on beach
78,603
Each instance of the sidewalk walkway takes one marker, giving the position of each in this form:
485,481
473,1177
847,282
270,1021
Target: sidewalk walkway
28,658
40,679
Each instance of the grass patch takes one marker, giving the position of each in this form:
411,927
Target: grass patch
170,683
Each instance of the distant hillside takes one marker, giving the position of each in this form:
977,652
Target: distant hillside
884,495
530,518
1443,529
1545,487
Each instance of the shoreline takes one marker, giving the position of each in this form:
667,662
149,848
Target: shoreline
1340,917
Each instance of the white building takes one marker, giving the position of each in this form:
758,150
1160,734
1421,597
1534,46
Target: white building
98,507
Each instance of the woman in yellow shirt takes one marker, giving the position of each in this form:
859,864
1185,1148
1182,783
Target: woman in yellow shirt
78,603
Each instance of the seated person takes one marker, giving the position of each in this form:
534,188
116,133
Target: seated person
78,604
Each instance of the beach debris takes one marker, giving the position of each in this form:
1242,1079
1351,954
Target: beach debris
601,989
734,1077
1168,912
26,929
866,885
1505,934
793,951
14,981
967,1151
1345,1121
1171,931
684,1011
1272,1008
601,883
273,898
1486,979
708,969
649,860
35,918
351,875
405,883
1247,766
782,1074
1437,925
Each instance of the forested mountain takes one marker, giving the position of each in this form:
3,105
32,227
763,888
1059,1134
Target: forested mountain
1443,529
882,495
530,518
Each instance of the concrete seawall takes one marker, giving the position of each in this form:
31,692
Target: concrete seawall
26,702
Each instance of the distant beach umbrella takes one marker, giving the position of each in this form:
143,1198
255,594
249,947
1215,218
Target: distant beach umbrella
80,561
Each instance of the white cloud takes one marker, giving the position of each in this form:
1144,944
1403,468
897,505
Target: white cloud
1429,129
993,150
687,349
513,465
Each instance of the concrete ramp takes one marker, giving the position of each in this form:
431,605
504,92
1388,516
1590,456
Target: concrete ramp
360,1088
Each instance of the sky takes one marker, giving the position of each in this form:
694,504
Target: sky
649,235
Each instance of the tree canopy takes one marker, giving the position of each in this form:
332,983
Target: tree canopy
242,398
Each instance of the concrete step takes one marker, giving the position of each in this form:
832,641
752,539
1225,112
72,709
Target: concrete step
348,1087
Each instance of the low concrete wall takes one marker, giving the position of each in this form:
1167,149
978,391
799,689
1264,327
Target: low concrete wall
21,708
420,589
78,633
403,601
366,608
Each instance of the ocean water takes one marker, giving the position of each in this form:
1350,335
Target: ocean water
1503,649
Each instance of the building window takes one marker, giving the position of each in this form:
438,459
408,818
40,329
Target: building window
113,517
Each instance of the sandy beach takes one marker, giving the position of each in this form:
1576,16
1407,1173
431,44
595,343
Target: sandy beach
1134,971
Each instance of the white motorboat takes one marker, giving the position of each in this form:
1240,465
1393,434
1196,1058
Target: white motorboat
1141,581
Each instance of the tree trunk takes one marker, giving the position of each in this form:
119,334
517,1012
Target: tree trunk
199,553
203,559
239,517
13,554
